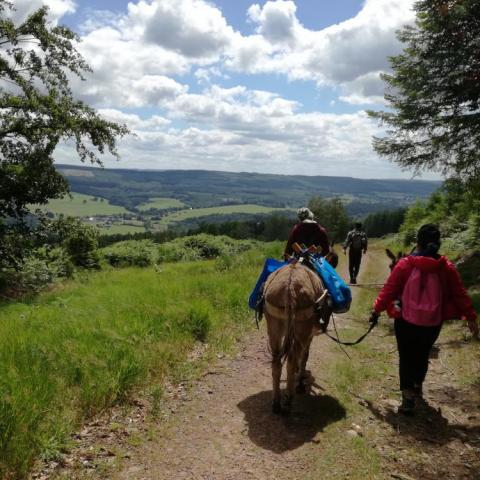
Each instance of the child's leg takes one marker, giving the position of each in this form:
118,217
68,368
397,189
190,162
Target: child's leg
407,352
427,336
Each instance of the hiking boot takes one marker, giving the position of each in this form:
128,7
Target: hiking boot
407,406
418,391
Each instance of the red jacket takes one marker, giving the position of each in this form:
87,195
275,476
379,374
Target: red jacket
308,233
455,300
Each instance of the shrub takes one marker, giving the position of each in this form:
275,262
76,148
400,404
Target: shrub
130,253
39,269
81,242
201,246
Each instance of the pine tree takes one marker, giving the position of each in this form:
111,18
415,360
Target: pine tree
434,92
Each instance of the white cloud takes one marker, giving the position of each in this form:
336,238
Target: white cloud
348,56
144,58
57,8
276,20
192,28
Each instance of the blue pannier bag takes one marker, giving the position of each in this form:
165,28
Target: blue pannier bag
270,266
339,291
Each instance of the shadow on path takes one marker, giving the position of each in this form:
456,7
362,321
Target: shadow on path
310,415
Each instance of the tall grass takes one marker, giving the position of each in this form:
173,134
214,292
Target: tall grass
69,354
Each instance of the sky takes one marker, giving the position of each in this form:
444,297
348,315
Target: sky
278,86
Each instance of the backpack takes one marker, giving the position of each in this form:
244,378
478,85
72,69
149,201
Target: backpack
422,298
338,290
358,240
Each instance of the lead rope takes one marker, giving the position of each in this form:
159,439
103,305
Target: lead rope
338,342
349,344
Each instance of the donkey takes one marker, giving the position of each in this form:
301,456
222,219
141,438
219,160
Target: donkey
394,259
293,296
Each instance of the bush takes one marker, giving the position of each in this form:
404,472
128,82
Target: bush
130,253
201,246
39,269
81,242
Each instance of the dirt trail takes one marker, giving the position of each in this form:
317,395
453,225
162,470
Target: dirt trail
227,430
222,427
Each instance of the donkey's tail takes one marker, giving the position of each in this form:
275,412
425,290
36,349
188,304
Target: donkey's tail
290,306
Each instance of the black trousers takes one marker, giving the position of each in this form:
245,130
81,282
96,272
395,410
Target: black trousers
354,260
414,344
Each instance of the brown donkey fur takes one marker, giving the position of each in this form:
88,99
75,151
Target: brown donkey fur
292,294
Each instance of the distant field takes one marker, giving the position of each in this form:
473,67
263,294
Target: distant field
119,229
225,210
161,203
82,206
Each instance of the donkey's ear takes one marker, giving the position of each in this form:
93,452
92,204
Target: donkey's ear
400,255
332,243
390,254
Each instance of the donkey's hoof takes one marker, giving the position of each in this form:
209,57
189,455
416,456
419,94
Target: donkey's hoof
277,408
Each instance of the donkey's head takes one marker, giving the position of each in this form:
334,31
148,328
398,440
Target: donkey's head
394,259
331,257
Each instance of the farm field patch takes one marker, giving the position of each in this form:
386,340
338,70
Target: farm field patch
80,205
161,203
223,210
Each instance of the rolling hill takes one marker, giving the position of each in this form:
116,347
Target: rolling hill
133,189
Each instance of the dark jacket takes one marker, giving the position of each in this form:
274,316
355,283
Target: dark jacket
354,237
308,233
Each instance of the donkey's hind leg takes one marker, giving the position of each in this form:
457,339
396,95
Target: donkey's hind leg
275,340
302,376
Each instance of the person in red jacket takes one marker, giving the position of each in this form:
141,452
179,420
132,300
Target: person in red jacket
308,232
422,291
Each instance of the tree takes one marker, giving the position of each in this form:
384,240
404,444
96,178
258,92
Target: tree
434,94
38,110
332,215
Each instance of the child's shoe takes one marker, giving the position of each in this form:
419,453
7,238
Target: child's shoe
407,406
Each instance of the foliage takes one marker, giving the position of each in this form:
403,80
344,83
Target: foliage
38,111
201,246
69,354
44,251
81,243
332,215
434,96
382,223
42,267
454,208
138,253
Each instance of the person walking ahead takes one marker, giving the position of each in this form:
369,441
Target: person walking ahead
357,243
308,232
423,290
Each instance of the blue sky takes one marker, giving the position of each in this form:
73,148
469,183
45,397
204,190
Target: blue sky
278,86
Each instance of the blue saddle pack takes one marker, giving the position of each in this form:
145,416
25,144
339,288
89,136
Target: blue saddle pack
339,291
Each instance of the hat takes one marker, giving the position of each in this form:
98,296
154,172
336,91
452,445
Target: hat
305,214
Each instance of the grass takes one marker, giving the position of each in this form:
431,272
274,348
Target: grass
68,354
370,374
160,203
82,206
223,210
341,456
119,229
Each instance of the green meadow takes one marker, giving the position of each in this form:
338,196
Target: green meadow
119,229
81,205
161,203
69,354
222,210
